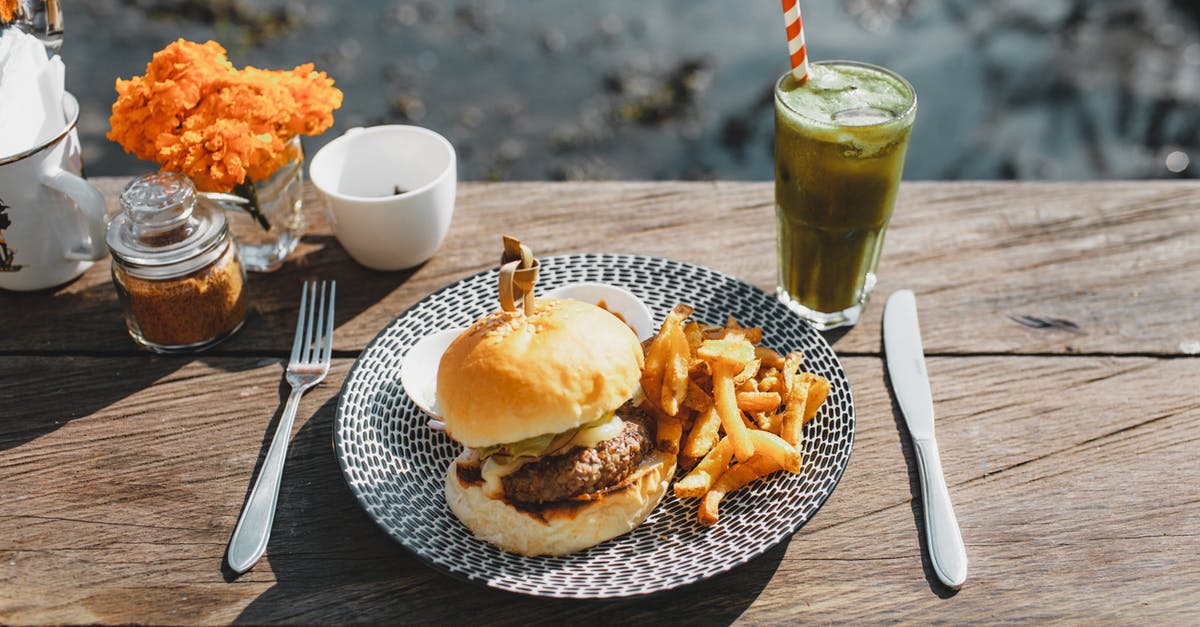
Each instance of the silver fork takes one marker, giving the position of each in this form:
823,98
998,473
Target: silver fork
311,354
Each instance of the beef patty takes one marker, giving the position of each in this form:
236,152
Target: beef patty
583,470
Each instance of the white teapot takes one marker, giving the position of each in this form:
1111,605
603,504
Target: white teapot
51,220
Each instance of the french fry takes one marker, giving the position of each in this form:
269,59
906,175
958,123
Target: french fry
747,373
694,335
670,431
653,368
818,390
768,357
697,398
731,480
769,421
675,375
753,335
687,418
733,329
704,433
758,401
735,354
748,386
680,312
774,447
709,512
700,380
701,478
658,352
770,380
764,466
731,417
791,365
793,412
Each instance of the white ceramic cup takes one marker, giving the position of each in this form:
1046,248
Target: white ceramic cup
51,220
358,175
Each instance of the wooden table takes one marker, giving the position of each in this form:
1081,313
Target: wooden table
1061,321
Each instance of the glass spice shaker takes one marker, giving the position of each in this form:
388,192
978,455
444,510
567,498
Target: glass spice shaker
175,267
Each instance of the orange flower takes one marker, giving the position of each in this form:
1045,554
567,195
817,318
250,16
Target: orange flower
9,10
194,113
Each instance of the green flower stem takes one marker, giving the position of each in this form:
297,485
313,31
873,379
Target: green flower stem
247,190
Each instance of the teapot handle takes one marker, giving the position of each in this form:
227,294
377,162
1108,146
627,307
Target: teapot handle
90,203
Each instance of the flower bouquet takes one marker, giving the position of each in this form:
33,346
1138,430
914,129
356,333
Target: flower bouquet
234,132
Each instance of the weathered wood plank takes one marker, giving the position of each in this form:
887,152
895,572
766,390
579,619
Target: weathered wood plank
1074,480
1061,268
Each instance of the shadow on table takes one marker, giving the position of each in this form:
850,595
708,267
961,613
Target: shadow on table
833,335
77,339
34,389
46,364
276,296
914,488
332,564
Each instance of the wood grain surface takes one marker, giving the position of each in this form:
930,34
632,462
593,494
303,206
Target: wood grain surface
1062,323
1030,268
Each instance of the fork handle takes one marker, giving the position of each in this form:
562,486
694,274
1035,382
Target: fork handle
249,540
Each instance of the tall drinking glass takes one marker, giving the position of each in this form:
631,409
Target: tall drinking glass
840,141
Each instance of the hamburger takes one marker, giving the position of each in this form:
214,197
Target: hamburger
558,457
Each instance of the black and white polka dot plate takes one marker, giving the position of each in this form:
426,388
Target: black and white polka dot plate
394,464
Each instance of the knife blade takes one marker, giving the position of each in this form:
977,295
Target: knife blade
910,382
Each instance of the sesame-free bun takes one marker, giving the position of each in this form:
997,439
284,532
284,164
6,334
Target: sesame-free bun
510,376
564,527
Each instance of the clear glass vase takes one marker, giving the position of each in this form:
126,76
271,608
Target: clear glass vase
267,237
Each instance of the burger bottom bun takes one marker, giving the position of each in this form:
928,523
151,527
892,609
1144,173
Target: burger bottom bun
555,529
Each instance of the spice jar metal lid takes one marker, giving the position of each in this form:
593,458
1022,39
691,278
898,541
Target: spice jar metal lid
162,230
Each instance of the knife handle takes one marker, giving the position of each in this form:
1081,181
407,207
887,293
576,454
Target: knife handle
946,550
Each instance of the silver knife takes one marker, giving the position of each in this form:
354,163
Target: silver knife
906,366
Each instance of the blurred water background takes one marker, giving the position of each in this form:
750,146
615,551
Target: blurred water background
675,89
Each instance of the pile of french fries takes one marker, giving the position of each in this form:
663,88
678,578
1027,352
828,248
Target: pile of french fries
732,410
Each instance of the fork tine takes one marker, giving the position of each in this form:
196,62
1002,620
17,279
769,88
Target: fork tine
314,343
327,357
297,344
314,305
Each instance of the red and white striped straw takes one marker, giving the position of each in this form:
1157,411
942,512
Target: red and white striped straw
795,34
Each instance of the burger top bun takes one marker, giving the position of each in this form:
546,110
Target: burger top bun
512,376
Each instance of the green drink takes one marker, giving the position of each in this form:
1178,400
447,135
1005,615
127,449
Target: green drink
840,140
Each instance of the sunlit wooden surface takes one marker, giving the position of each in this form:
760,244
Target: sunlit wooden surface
1061,323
